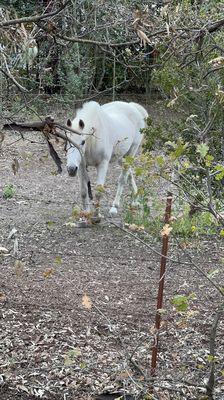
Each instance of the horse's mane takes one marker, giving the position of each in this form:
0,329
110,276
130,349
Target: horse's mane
90,114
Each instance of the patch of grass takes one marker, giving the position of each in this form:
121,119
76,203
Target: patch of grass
138,215
202,223
8,191
141,215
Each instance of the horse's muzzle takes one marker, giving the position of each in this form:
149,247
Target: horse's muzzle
72,171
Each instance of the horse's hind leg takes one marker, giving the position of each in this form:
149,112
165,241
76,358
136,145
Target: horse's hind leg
124,176
121,183
131,179
132,182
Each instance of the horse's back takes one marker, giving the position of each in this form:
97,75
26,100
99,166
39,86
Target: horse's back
133,111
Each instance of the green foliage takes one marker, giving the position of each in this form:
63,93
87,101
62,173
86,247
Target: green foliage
182,302
58,260
158,134
200,224
74,79
22,7
183,226
195,92
8,191
202,149
139,214
213,273
191,160
219,172
71,356
50,224
167,78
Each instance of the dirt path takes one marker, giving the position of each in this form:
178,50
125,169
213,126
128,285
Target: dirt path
51,346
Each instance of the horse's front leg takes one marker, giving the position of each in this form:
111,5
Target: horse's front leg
84,191
101,176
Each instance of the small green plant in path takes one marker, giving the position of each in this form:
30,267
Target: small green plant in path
182,302
8,191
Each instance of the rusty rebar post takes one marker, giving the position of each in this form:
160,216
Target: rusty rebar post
164,253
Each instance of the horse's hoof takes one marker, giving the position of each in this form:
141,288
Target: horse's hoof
136,203
96,219
82,223
113,211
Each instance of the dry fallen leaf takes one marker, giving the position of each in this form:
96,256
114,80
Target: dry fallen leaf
143,38
168,29
217,61
3,250
166,230
48,273
15,166
12,233
153,330
135,228
124,375
182,324
164,11
2,297
172,103
85,214
70,224
15,246
184,245
2,137
19,267
86,302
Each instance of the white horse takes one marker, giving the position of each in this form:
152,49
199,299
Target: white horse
107,132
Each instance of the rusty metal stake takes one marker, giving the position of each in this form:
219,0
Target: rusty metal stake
161,285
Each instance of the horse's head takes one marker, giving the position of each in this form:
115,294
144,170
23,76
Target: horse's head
85,124
74,157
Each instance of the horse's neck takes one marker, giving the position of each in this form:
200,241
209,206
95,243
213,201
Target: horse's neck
92,139
96,144
99,132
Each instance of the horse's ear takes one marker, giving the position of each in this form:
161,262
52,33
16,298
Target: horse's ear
69,123
81,124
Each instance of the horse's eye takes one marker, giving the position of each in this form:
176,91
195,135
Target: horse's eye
83,142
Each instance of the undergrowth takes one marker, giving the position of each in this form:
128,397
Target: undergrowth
183,225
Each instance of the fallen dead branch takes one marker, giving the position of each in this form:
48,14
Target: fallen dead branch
49,128
39,126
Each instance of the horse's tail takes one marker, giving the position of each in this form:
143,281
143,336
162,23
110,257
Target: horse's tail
140,109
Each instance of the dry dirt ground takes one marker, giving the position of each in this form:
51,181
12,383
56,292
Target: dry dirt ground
53,347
